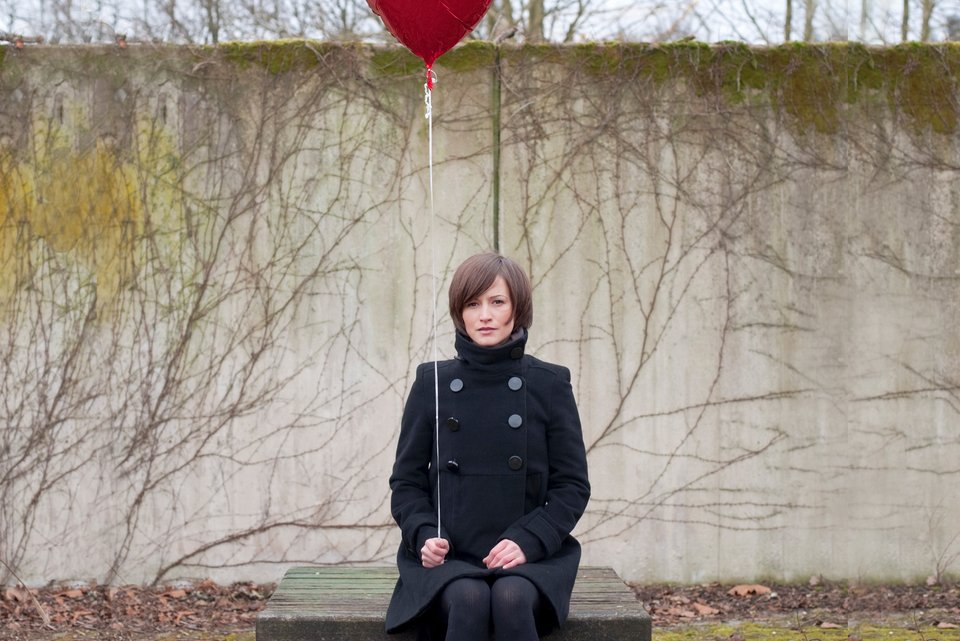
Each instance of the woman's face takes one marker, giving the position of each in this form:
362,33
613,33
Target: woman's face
488,318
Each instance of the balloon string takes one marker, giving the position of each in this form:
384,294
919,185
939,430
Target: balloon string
428,102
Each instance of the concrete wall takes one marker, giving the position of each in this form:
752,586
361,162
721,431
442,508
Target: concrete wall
215,276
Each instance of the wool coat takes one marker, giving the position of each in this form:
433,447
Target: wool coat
511,465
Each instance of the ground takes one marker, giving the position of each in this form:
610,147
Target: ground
205,611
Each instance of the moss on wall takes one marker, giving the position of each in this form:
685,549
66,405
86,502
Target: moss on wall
812,84
277,56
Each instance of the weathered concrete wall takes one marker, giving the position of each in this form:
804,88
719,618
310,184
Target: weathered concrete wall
215,275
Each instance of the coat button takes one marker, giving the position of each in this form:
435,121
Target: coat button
453,424
515,383
453,466
456,385
516,353
515,421
515,463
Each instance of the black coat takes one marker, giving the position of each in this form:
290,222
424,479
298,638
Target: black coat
512,466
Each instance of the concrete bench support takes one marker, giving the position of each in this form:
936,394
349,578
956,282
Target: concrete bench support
349,603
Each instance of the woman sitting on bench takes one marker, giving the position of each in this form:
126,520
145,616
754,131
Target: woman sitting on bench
490,476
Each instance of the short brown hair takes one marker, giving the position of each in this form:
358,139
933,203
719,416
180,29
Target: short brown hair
475,276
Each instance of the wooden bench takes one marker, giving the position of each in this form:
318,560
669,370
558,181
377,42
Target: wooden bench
349,603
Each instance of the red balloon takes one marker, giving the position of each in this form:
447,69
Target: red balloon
430,28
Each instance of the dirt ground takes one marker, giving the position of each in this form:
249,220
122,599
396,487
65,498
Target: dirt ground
819,605
207,611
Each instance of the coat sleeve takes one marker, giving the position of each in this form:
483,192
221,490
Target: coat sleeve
541,532
411,501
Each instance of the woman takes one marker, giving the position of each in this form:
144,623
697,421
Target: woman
512,474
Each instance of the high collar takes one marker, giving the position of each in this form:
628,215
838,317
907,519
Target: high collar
507,353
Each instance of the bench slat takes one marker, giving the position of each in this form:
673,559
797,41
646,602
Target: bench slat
349,603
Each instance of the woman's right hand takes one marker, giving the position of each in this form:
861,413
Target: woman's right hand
433,552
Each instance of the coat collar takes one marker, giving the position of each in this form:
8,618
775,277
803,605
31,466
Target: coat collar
506,354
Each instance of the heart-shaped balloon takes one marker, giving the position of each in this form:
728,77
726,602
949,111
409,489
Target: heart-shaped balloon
430,28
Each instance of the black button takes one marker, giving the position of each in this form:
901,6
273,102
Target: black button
515,383
515,421
453,466
453,424
456,385
516,352
515,463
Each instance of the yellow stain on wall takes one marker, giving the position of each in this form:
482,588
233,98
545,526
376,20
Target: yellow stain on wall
89,208
16,184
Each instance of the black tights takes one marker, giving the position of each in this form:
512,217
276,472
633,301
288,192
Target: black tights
509,602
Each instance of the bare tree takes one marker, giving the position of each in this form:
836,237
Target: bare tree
787,21
809,10
535,15
927,7
864,17
905,21
953,28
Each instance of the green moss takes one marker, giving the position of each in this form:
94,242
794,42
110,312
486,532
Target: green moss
277,56
469,56
923,85
464,58
394,61
3,53
811,83
816,87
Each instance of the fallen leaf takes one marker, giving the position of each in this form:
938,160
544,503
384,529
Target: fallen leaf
705,610
826,625
176,594
185,613
80,614
944,625
15,594
748,589
72,594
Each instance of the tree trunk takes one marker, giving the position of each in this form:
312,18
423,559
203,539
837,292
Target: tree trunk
953,28
788,21
905,24
500,19
535,23
925,19
810,8
506,10
212,9
864,16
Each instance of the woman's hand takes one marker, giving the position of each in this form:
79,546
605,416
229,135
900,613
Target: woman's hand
433,552
506,554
